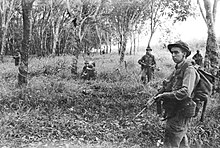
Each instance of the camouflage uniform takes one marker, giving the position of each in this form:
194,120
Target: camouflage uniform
181,85
198,58
148,64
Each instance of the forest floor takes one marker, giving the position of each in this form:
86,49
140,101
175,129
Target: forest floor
59,110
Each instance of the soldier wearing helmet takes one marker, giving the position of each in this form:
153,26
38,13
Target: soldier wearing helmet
148,64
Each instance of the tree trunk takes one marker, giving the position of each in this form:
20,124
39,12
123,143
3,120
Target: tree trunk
134,43
123,48
56,35
211,44
138,45
6,18
3,43
23,67
151,35
110,45
131,40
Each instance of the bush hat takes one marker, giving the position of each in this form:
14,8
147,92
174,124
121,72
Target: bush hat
148,49
181,45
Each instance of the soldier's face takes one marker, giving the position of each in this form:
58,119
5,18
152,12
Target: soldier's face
177,54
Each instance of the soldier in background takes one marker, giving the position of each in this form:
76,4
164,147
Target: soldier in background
148,64
88,71
17,57
198,58
207,64
74,66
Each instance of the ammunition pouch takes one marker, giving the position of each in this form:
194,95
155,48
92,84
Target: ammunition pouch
185,108
170,107
188,108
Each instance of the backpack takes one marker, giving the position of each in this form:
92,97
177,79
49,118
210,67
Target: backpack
202,90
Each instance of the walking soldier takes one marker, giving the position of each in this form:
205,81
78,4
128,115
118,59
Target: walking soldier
148,65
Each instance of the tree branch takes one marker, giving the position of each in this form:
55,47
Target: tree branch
215,9
202,12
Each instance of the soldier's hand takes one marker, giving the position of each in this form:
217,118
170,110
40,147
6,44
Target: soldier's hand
162,96
158,97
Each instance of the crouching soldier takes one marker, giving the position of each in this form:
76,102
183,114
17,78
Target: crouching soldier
148,65
88,71
17,57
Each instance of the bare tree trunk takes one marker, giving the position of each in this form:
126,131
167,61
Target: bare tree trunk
110,46
151,35
6,18
56,35
211,44
3,43
123,48
23,67
107,43
138,45
131,40
134,43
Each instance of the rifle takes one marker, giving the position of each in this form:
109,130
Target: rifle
143,65
150,102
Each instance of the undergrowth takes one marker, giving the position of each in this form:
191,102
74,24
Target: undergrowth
56,106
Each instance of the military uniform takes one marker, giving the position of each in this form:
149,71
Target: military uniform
198,58
207,64
148,64
181,85
88,71
17,57
74,66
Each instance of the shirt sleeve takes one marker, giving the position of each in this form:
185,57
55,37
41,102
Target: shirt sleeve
189,82
140,60
154,61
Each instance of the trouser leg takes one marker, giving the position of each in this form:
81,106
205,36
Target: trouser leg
185,142
175,133
149,74
143,76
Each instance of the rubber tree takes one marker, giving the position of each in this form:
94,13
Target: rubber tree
88,18
23,67
41,28
57,17
7,11
124,15
208,11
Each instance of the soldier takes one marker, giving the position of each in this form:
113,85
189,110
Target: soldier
207,64
198,58
148,64
17,57
88,71
74,66
177,97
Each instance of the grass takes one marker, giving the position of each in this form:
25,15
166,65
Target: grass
57,109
